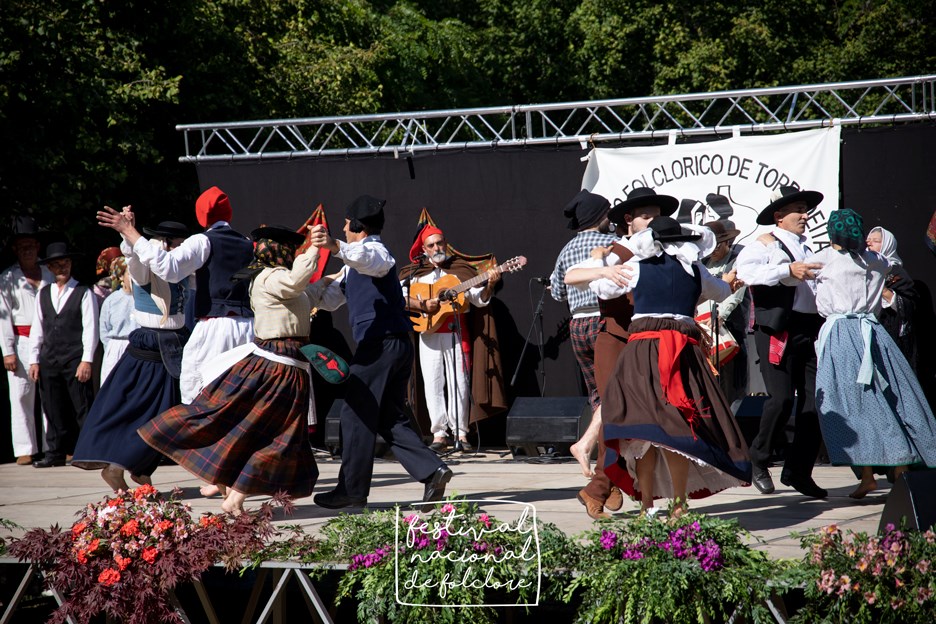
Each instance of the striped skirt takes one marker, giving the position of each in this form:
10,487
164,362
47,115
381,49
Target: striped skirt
247,429
636,414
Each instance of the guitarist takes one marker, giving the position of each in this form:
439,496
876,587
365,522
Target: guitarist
443,353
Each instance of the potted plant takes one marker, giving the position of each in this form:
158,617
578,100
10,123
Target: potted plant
126,554
859,578
694,568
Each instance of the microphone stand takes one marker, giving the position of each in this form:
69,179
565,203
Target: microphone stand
715,332
537,322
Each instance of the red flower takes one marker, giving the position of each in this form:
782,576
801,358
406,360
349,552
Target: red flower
162,525
108,577
131,528
82,557
209,520
143,491
149,554
122,562
115,502
77,528
93,545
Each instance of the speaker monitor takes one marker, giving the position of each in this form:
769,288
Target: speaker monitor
333,432
540,425
911,498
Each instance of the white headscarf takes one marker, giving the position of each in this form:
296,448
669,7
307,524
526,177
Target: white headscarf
888,245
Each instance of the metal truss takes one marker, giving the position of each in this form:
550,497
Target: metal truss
895,100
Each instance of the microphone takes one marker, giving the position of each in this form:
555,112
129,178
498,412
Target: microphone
541,280
447,295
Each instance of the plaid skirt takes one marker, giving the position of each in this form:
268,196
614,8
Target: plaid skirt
636,414
247,429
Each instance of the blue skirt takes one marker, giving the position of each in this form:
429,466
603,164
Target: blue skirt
871,425
134,393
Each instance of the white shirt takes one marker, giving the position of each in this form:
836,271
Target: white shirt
768,265
849,285
89,321
368,256
17,303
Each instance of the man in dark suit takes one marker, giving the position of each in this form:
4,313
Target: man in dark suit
375,400
777,267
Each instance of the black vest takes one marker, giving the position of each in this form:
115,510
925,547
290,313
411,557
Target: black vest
62,331
375,305
216,294
664,287
773,304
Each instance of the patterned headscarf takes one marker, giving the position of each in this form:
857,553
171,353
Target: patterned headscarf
888,245
846,229
118,267
268,253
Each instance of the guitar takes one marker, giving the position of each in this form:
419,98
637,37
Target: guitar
452,292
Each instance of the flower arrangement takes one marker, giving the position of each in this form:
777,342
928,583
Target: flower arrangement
404,565
856,577
125,554
694,568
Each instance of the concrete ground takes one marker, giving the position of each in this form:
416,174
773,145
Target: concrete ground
41,497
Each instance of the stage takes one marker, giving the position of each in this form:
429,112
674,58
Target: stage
34,497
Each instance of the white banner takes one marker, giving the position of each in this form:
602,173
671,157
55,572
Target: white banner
726,179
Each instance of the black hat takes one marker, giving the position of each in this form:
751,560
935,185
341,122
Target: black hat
668,230
639,198
786,196
278,233
25,227
57,251
585,210
167,229
366,209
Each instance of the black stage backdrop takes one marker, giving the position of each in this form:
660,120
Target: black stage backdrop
509,202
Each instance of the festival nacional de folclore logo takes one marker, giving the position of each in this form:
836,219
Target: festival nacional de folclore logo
441,549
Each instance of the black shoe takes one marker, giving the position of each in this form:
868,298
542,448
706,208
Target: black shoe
334,500
438,447
49,462
762,481
435,486
803,484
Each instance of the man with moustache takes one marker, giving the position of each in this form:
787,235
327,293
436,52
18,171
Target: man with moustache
19,285
63,337
777,267
442,357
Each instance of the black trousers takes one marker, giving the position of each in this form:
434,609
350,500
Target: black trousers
66,402
793,380
375,402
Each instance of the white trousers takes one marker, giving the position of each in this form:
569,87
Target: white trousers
210,338
23,403
444,374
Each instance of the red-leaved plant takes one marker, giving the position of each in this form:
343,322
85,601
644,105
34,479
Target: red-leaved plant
126,554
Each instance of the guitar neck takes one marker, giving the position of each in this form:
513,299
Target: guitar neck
474,281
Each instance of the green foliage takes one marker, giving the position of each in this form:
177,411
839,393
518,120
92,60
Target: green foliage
90,91
867,579
692,569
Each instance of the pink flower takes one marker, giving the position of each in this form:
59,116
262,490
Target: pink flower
448,508
485,520
923,566
870,597
923,594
